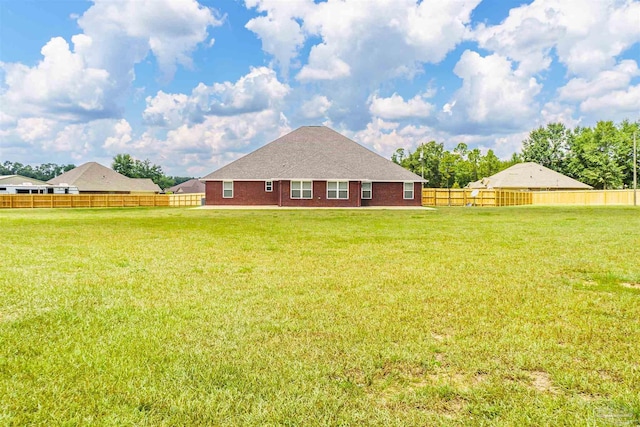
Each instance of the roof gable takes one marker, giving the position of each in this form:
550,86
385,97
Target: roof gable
93,176
313,152
529,175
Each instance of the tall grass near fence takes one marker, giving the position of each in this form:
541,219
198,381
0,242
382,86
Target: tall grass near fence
519,316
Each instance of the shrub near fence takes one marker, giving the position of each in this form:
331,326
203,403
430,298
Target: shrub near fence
471,197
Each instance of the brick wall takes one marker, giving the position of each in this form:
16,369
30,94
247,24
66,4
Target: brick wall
253,193
244,193
392,194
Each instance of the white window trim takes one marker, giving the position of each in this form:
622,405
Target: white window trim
268,184
404,192
227,197
370,190
301,190
338,191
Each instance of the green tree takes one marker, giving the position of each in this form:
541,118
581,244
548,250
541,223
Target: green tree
124,164
594,156
489,164
626,131
447,169
133,168
548,146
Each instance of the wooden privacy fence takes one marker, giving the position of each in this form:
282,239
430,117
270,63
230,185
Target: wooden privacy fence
98,200
81,200
471,197
584,197
191,199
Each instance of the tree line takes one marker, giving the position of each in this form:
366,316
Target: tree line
43,172
601,156
445,169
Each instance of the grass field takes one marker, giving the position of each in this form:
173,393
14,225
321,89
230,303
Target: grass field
496,316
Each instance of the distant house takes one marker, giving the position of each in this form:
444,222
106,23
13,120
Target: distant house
529,176
191,186
92,177
313,166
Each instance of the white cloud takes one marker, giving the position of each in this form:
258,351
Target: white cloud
165,109
616,105
315,107
601,84
128,30
215,124
387,38
323,65
493,97
281,35
257,91
586,35
35,128
60,85
395,107
121,138
90,81
356,47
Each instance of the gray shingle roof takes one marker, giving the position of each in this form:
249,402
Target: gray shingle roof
93,176
19,180
529,175
191,186
313,152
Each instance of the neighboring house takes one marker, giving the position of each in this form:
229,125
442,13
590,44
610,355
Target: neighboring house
92,177
191,186
529,176
313,166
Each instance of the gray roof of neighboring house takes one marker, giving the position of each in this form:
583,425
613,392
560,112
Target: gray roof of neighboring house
529,175
19,180
313,152
191,186
93,176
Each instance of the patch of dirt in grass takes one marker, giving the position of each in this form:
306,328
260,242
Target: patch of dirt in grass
541,381
630,285
480,377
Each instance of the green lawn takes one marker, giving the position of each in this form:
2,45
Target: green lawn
467,316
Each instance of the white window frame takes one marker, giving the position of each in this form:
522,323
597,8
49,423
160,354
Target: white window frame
225,189
370,190
405,191
338,190
301,190
268,186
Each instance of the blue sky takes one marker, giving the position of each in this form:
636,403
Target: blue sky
194,85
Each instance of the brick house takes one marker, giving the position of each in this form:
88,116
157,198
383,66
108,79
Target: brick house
313,166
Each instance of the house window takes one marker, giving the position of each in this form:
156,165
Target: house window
301,189
227,189
268,186
366,190
408,190
337,189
